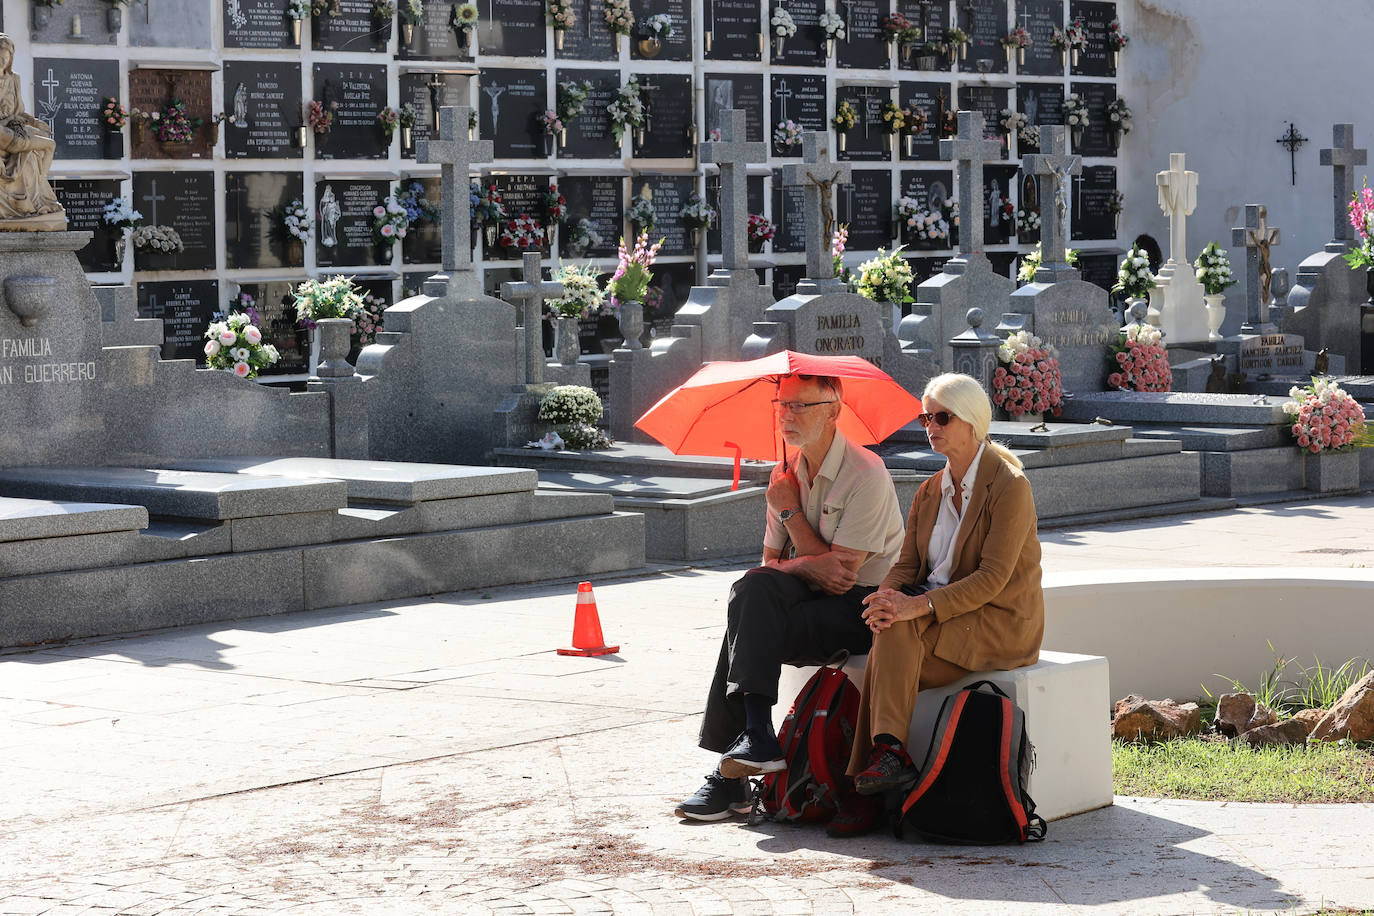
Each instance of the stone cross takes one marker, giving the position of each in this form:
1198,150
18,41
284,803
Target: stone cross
1257,237
530,294
1341,157
969,152
1052,170
817,175
456,154
1178,199
732,154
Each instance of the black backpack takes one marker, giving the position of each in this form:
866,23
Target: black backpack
816,739
972,788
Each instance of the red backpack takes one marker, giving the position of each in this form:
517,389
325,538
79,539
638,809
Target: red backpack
816,739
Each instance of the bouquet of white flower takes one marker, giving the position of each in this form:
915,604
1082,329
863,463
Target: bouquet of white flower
1075,111
833,25
162,239
627,111
235,345
1012,120
1134,278
782,23
886,278
582,293
296,220
1214,270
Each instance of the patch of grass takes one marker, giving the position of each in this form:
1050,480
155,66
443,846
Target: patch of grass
1224,771
1289,687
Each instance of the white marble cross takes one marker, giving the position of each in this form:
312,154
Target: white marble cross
1342,155
817,175
529,294
456,154
732,154
969,152
1178,199
1052,170
1257,237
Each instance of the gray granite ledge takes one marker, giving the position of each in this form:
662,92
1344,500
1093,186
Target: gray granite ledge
32,519
1176,407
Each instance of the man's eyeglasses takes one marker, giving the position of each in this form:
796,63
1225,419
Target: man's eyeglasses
797,406
939,418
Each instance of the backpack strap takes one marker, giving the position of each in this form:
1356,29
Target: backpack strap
827,705
979,685
1005,765
939,749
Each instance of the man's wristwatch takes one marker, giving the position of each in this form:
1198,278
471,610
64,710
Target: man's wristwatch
786,515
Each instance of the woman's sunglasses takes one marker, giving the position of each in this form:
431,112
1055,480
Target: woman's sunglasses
939,418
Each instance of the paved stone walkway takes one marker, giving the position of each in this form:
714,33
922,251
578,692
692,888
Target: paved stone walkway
435,756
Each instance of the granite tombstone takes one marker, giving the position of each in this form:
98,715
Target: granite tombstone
256,236
588,39
84,200
589,136
796,97
355,27
509,104
344,233
669,115
678,45
986,25
186,308
514,29
157,90
185,201
257,24
263,101
360,93
863,47
600,202
732,30
68,95
1041,18
1097,59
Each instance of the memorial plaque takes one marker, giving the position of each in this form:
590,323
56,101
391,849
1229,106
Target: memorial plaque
933,19
67,96
670,113
789,216
589,134
998,184
922,269
254,234
84,200
736,29
736,90
1272,354
668,193
275,304
990,100
932,189
798,97
423,243
785,279
421,91
510,103
1099,267
670,287
360,91
354,29
521,195
986,24
866,205
807,47
1042,104
1041,18
61,21
154,90
344,222
928,97
755,201
866,141
1003,263
436,38
678,46
588,39
512,28
600,200
1097,59
186,202
186,307
263,100
864,47
1092,217
1096,139
183,24
259,24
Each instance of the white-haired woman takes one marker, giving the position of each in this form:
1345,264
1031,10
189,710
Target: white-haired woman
963,596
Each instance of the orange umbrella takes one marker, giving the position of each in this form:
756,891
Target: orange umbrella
726,408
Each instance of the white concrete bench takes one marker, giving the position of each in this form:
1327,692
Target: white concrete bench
1065,699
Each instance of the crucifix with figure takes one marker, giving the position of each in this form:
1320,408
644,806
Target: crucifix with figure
456,154
1258,237
1341,157
969,152
732,154
1052,170
530,294
817,175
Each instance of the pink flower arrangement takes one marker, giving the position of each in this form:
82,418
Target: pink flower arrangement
522,232
760,228
1138,360
630,282
1362,218
551,122
1029,380
1325,418
368,319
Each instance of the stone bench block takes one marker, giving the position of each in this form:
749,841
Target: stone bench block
31,519
550,504
1078,489
370,520
180,494
405,482
1068,713
1260,470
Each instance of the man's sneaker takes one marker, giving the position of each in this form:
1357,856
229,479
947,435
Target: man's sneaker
889,766
716,800
858,814
752,754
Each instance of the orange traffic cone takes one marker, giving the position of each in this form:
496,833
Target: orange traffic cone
587,638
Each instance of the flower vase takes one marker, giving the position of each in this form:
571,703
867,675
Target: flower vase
113,145
548,144
136,126
1216,314
696,237
558,39
756,246
489,233
567,345
1073,57
926,62
1116,59
910,140
830,47
114,20
779,43
295,253
649,48
888,144
563,139
843,136
407,135
1077,133
1114,137
907,50
407,33
296,32
302,135
891,45
329,347
615,36
1020,57
632,324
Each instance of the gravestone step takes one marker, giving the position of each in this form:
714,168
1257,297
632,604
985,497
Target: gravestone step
1128,407
1359,387
1216,438
640,459
32,519
180,494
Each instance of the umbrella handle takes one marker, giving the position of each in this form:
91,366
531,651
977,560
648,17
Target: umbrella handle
734,484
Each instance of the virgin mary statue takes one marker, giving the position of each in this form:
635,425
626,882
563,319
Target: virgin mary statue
27,201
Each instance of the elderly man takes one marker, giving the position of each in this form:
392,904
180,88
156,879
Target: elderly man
833,531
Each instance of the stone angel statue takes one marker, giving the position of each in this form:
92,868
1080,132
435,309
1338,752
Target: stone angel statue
27,201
